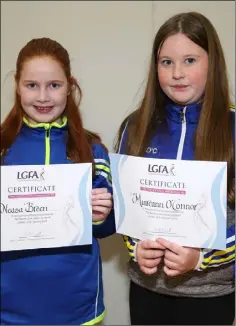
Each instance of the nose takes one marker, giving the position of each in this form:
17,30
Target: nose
178,71
43,95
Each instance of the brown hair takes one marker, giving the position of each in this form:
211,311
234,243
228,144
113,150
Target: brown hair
214,139
79,140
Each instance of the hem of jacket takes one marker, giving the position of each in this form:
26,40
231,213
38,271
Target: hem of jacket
90,321
96,320
178,294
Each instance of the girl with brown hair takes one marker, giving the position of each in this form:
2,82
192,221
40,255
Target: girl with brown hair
185,114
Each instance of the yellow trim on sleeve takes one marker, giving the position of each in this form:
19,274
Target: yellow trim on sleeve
211,261
219,253
216,261
98,222
103,167
128,244
107,170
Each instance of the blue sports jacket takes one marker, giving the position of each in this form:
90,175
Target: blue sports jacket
214,273
56,285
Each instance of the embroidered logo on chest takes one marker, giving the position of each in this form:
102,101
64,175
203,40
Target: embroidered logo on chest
151,150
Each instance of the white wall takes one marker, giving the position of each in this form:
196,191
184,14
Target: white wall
110,44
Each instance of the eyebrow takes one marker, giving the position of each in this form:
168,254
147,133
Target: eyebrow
185,56
49,82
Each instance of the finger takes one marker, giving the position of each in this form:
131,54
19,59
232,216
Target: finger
148,271
171,272
170,245
103,203
103,196
98,217
96,191
153,254
101,210
160,246
150,263
150,244
170,264
170,255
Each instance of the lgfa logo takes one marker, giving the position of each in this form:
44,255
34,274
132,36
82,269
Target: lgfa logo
30,175
161,169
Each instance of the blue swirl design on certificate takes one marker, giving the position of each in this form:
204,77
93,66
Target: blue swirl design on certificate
86,236
220,213
116,164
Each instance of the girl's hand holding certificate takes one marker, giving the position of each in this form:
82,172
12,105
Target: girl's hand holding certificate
101,204
177,259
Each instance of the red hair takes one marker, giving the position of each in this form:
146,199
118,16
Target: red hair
79,140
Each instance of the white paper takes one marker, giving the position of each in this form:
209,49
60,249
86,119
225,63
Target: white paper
181,201
45,206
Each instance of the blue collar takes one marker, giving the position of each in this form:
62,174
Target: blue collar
192,112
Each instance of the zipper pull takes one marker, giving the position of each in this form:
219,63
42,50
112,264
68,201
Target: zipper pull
47,133
182,115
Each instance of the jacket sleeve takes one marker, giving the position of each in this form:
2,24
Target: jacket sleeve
102,179
131,243
216,258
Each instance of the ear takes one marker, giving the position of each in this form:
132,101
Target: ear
69,83
17,87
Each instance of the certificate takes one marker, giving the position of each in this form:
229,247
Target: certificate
181,201
45,206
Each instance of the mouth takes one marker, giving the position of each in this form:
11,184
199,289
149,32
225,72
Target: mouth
180,87
43,109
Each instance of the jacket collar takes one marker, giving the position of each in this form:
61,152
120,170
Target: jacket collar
46,126
190,112
56,129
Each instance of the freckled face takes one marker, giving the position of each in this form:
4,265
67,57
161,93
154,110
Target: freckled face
43,89
182,69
